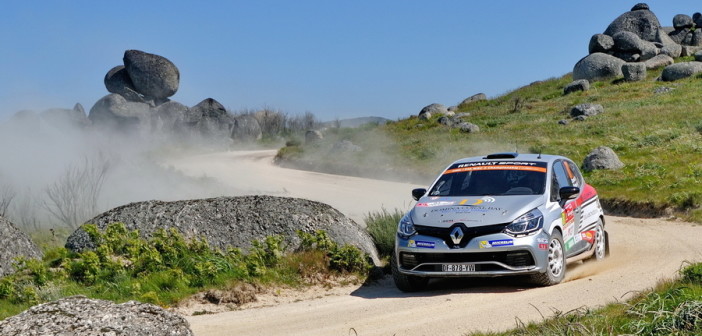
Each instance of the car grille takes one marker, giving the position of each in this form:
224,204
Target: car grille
410,260
468,232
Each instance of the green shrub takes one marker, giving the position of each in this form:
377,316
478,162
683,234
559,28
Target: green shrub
693,274
382,226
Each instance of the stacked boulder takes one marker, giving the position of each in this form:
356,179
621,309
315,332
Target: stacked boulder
635,42
139,101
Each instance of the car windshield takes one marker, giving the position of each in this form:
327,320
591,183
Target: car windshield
494,178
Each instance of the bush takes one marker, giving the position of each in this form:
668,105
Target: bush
692,274
382,226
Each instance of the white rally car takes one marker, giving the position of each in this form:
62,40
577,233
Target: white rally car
502,214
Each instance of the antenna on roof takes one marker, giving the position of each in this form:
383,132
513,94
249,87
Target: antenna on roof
539,157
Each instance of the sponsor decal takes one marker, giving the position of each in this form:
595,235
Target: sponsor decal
434,204
496,243
542,240
422,244
497,165
568,214
588,236
569,231
477,201
425,244
463,210
569,243
543,246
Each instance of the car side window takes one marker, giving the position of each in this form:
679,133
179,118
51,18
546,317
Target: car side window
559,179
572,170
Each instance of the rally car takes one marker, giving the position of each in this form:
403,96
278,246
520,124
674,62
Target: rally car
498,215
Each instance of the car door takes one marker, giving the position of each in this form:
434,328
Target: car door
563,176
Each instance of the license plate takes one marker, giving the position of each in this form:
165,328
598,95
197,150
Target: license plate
458,267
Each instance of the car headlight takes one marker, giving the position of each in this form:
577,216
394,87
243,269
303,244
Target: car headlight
528,223
406,228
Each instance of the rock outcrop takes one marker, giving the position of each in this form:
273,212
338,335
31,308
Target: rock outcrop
14,243
80,316
138,102
232,221
637,36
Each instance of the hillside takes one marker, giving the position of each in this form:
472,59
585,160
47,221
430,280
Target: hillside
656,132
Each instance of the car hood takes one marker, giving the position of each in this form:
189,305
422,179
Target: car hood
472,211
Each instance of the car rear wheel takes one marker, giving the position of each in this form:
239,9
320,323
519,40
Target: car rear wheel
601,242
555,263
404,282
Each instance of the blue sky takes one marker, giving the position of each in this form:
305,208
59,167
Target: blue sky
336,59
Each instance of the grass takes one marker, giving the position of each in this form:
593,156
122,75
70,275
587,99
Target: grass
382,226
658,136
674,307
168,268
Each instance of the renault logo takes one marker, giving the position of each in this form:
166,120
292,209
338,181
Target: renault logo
456,235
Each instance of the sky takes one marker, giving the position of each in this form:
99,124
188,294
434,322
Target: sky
336,59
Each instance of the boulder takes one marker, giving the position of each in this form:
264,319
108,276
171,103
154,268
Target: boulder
629,42
669,47
232,221
697,19
690,50
434,109
117,81
211,119
424,116
600,43
658,62
473,98
678,36
682,21
696,40
640,6
598,66
14,243
602,158
345,146
467,127
563,122
446,121
462,115
116,113
681,70
634,72
246,128
586,109
698,56
313,136
578,85
81,316
152,75
170,117
641,22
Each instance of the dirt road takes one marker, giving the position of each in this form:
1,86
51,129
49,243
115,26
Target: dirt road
643,251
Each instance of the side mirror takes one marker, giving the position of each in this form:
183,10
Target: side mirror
568,193
418,193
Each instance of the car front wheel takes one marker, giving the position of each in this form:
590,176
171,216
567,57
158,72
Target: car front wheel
556,262
601,243
404,282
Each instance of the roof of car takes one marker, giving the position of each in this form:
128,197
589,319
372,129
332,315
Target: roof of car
512,157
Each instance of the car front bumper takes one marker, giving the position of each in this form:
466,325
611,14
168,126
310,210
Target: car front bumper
484,256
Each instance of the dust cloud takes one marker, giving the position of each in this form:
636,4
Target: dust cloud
57,174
